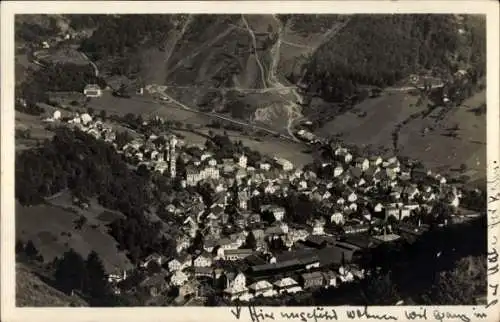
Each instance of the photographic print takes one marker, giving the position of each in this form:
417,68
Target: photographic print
251,160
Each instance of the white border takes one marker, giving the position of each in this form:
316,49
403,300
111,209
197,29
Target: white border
8,310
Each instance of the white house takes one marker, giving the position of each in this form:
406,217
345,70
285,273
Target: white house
237,288
262,288
203,260
378,207
352,197
178,278
337,218
284,164
362,163
287,285
174,265
92,90
338,171
376,160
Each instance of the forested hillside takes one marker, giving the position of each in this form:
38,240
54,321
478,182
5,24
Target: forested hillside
380,50
90,168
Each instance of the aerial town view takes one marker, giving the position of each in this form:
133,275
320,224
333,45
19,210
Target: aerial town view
242,159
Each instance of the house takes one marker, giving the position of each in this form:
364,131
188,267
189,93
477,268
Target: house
337,171
209,244
392,211
404,213
237,287
287,285
337,218
378,208
174,265
356,229
92,90
226,243
345,274
154,285
159,259
391,171
411,192
284,164
237,254
262,288
203,271
376,160
192,175
352,197
242,160
189,289
265,166
178,278
362,163
186,260
312,280
182,243
318,227
278,212
243,199
203,260
330,279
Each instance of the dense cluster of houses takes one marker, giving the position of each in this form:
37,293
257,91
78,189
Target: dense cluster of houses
357,198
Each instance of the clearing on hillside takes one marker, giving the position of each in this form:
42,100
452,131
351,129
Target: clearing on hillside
53,231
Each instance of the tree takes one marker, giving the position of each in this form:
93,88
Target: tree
379,290
19,247
70,272
30,250
154,267
103,115
250,241
96,285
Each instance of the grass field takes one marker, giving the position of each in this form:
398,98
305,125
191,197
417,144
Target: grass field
32,291
48,227
443,152
436,151
36,127
271,146
382,115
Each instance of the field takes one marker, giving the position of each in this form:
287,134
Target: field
52,229
36,127
382,115
34,292
271,147
445,152
61,56
434,148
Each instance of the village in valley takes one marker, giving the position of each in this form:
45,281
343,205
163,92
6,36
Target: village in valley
239,239
191,211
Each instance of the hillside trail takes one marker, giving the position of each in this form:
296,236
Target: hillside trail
198,50
179,35
293,108
254,41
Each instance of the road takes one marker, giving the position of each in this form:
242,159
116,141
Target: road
254,41
170,99
94,66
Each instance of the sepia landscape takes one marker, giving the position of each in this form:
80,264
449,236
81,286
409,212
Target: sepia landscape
274,160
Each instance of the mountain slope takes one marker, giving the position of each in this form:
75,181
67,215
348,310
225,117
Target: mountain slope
32,291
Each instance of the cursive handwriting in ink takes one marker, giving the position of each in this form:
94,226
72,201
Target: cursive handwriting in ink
316,315
352,314
440,316
258,315
412,315
236,312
